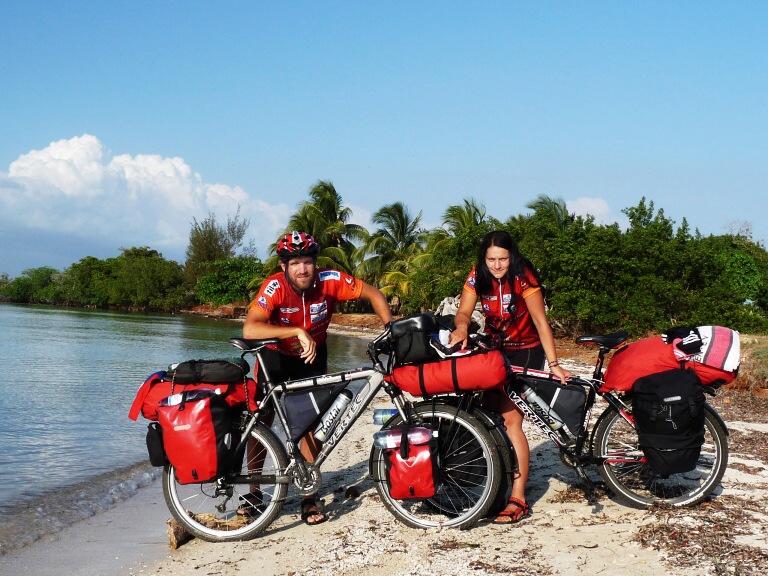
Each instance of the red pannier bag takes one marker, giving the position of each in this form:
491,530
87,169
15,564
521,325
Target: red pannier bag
475,371
156,387
197,434
411,470
652,356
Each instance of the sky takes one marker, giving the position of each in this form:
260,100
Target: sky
123,122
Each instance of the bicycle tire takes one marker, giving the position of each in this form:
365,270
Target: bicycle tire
209,510
632,480
466,487
494,424
507,459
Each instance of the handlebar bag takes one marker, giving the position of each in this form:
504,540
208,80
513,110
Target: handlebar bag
410,339
159,386
475,371
668,409
197,435
411,469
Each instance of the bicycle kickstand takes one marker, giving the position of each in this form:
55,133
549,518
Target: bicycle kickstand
590,491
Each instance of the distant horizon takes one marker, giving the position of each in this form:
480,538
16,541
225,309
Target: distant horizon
692,229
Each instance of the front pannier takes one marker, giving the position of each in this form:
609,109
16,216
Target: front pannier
668,410
475,371
410,467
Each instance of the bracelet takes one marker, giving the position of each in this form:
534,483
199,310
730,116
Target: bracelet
554,363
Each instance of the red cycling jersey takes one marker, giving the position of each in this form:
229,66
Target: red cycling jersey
511,317
311,309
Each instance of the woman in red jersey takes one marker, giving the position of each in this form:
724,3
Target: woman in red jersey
511,299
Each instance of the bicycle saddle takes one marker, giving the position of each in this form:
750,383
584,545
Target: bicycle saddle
612,340
248,344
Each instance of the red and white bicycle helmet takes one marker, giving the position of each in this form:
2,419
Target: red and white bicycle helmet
297,244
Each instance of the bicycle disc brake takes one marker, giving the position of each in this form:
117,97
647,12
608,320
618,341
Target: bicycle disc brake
311,481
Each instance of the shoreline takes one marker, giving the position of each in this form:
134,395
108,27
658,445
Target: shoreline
124,539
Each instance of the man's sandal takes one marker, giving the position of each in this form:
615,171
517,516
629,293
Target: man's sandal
514,515
310,512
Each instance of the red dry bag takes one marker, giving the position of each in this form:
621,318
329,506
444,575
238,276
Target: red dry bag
475,371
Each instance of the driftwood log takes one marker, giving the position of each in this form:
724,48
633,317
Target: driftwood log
177,535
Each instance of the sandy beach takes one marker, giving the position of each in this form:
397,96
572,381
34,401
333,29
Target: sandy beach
564,535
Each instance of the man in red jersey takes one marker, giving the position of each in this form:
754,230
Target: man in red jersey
296,306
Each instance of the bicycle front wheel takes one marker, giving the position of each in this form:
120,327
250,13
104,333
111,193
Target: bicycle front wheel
627,475
227,510
470,470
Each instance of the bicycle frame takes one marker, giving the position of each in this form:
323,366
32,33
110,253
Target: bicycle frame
572,447
374,382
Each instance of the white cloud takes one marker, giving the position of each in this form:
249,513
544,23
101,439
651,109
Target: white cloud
360,216
76,188
598,208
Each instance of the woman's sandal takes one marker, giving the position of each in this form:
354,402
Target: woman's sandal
251,504
310,510
514,515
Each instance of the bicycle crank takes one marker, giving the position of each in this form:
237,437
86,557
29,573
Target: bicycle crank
305,478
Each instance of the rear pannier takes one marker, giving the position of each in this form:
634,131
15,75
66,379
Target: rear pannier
668,409
227,377
197,435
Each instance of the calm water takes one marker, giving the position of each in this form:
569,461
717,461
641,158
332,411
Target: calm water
67,380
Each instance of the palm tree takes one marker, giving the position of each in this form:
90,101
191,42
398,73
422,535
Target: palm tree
326,218
555,208
456,221
459,218
388,254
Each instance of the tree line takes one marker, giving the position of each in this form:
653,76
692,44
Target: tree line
596,277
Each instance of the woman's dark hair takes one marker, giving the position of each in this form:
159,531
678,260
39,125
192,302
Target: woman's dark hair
517,262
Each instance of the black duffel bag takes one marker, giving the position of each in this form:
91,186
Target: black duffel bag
215,371
668,408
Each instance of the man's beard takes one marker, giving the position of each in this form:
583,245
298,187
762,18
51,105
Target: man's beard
302,284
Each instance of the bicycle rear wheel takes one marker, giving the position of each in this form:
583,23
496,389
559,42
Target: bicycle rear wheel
626,473
469,476
209,511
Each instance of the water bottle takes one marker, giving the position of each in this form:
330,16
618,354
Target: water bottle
333,415
382,415
550,416
391,438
